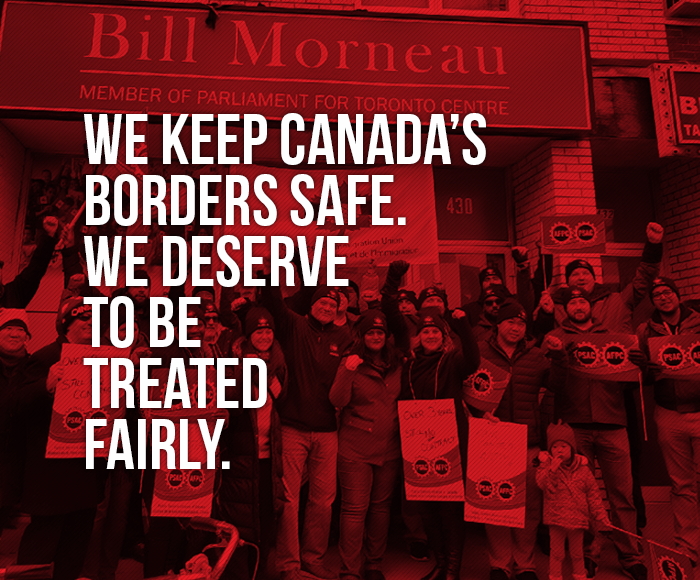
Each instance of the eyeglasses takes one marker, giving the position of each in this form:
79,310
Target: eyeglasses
211,319
492,302
662,294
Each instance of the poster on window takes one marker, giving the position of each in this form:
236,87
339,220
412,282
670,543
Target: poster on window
496,466
72,403
430,448
573,233
412,237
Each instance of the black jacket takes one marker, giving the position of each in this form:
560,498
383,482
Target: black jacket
313,353
19,292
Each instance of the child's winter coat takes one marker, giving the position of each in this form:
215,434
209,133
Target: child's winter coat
571,494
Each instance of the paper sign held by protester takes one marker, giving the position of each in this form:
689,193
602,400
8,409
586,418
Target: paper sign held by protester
496,467
604,356
184,493
484,389
666,564
416,241
430,448
573,233
72,403
678,356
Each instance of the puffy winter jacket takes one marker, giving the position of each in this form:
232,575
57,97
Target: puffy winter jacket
571,495
530,373
369,421
672,394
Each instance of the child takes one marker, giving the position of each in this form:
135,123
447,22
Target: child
571,499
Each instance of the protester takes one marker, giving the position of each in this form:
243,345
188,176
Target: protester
571,500
252,444
494,296
437,373
313,346
512,550
677,414
14,334
60,494
596,411
366,388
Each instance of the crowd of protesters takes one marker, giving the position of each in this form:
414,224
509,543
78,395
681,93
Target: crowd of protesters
338,363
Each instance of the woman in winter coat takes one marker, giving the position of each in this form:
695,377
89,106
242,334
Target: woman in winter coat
251,443
571,499
366,388
437,371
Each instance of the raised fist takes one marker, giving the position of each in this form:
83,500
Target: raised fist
519,254
655,232
352,362
50,225
546,303
458,314
398,268
552,343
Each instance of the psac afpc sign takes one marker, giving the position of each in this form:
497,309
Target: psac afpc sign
120,59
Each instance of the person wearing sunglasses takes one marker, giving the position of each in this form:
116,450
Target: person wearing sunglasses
677,414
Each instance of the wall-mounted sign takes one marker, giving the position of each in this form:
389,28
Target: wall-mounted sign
676,95
93,58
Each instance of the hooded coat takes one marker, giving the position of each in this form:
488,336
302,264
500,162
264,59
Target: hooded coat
571,494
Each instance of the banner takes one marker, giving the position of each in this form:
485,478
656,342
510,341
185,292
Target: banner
604,356
496,465
666,564
72,403
573,234
484,389
112,58
430,447
183,493
678,356
411,196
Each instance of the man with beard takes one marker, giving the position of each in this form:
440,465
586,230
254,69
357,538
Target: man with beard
14,333
313,345
677,415
494,297
595,409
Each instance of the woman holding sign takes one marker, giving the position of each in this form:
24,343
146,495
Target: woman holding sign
366,388
435,374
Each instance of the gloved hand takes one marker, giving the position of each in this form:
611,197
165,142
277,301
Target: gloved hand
398,269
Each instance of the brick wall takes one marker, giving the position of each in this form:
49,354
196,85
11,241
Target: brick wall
683,43
618,30
557,178
679,184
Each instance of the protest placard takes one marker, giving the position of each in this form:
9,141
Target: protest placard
573,234
430,448
677,356
484,389
603,356
496,464
72,403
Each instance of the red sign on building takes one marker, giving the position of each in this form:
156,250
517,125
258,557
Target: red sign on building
101,58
